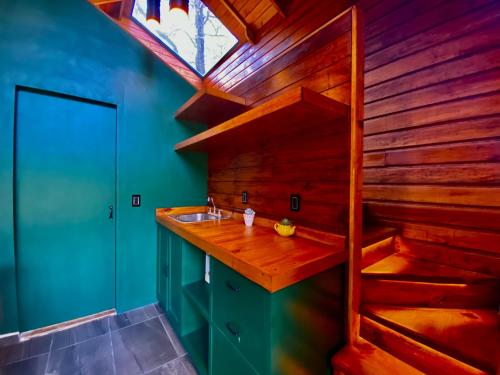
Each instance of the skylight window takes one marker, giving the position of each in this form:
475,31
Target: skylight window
199,39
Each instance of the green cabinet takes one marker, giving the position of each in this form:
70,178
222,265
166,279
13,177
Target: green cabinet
234,326
170,275
226,359
240,310
181,266
162,274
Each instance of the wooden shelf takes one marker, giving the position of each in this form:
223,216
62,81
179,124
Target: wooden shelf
196,344
211,107
198,293
296,110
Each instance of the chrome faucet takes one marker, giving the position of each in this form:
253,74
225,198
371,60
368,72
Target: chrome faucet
214,212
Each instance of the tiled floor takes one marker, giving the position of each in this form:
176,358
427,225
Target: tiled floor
139,341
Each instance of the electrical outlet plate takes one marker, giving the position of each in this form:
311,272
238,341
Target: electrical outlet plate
295,202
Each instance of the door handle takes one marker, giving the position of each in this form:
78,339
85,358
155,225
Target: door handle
110,212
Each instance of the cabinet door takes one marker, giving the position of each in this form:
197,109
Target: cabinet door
226,359
241,310
163,267
175,285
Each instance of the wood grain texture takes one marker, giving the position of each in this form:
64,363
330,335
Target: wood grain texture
422,357
356,175
432,135
243,18
311,47
432,99
257,252
291,112
470,336
366,358
211,107
467,259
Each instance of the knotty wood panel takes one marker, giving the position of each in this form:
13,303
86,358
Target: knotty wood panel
432,102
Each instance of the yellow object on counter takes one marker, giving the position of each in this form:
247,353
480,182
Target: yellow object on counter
284,230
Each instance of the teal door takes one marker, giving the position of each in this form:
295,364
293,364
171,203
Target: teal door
65,161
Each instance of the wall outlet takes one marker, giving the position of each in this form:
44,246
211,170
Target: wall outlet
295,202
244,197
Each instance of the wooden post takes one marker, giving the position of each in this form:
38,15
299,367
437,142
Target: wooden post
356,175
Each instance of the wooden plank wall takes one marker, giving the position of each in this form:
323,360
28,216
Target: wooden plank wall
432,113
314,164
432,127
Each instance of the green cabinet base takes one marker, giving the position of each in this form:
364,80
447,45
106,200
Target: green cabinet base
292,331
234,326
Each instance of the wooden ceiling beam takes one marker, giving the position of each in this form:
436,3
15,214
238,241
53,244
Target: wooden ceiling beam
279,7
127,8
249,33
104,2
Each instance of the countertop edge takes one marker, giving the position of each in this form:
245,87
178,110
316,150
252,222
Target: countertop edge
272,283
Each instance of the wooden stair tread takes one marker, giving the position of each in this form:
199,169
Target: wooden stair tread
471,336
403,267
366,359
414,353
430,294
377,233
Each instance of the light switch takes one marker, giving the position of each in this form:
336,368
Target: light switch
136,200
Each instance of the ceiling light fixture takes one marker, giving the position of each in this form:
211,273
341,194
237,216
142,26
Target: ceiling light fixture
153,11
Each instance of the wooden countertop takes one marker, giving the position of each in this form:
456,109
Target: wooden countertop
258,253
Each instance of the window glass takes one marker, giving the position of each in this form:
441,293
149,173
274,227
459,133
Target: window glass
199,39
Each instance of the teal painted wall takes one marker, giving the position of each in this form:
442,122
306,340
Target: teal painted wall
68,46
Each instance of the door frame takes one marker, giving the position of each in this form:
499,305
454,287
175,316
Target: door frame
57,94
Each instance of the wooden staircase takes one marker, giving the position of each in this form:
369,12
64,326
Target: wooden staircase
419,316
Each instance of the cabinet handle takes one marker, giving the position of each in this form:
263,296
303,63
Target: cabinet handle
234,288
165,271
231,327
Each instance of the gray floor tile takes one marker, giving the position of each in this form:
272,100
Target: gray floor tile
141,347
37,345
11,353
127,319
179,348
186,362
64,338
159,309
91,329
9,340
178,366
31,366
93,356
150,311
